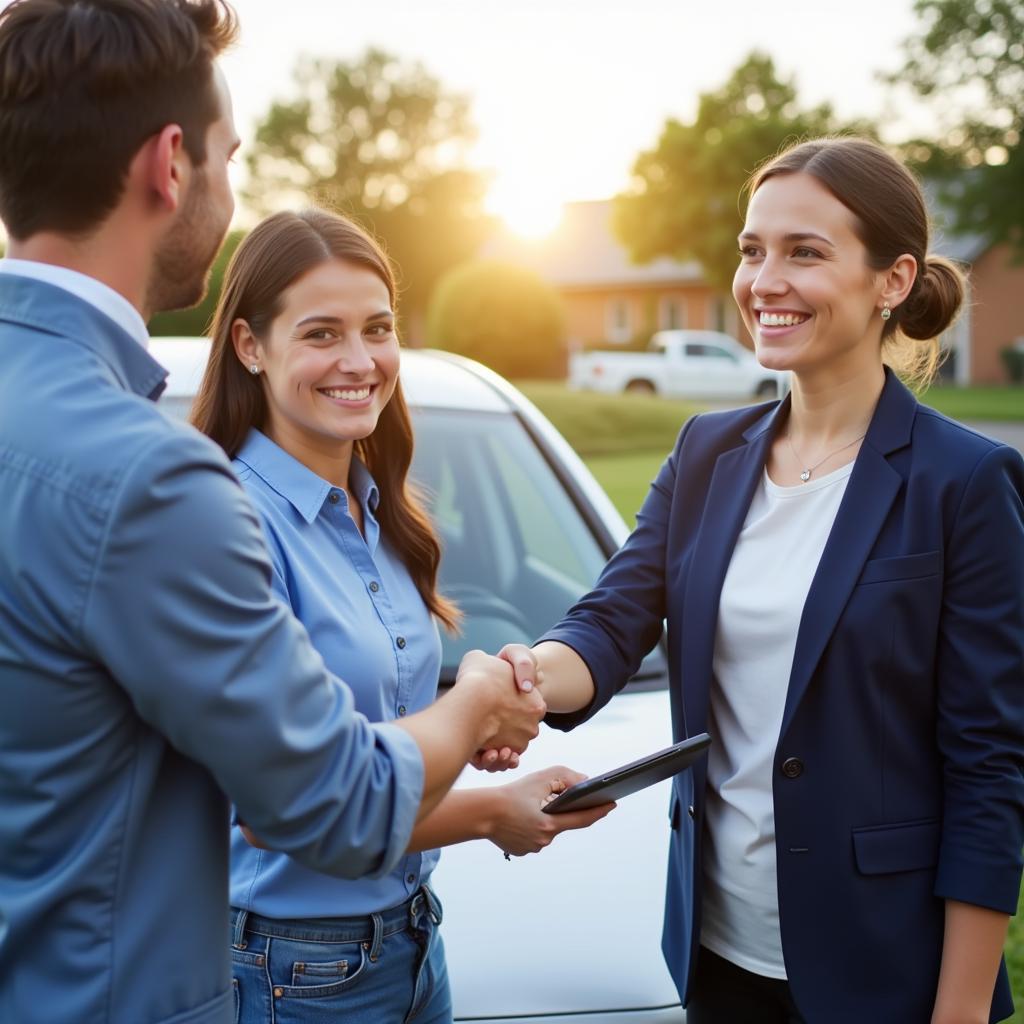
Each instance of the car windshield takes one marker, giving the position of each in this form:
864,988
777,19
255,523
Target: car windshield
517,552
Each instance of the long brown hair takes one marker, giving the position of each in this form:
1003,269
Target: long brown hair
890,218
231,401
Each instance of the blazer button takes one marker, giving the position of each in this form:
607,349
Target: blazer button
691,812
792,767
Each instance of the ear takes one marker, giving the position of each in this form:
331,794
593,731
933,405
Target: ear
247,346
168,167
898,281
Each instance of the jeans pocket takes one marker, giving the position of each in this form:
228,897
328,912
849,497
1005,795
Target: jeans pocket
327,972
315,970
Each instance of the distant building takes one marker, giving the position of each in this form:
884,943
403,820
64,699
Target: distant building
609,299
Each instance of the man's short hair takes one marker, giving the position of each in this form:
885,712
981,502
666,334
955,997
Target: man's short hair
83,84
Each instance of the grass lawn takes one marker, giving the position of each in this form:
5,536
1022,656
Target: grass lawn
607,424
626,477
997,403
1014,952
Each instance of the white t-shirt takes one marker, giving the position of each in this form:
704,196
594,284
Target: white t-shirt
763,596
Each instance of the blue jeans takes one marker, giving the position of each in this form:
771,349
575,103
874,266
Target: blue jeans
387,968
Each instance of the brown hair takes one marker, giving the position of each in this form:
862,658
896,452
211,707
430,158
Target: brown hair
890,218
83,84
231,401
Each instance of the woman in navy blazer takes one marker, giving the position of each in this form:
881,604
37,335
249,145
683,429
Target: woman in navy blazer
891,792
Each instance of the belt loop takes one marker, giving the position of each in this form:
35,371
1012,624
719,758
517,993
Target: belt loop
238,940
433,905
378,937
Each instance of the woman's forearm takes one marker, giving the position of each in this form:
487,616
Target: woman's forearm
462,815
972,945
564,680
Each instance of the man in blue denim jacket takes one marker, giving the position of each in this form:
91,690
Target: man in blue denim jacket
147,674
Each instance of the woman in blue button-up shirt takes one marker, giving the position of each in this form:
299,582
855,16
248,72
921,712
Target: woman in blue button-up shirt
302,391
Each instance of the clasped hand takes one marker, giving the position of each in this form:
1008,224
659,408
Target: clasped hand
517,709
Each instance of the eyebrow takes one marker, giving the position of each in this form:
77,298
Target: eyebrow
316,318
792,236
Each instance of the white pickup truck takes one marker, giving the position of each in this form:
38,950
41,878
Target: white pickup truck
680,364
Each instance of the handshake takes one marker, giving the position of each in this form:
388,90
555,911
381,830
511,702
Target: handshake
504,688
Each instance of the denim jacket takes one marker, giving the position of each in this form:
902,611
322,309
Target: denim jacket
148,676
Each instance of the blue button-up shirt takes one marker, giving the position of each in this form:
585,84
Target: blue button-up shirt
147,674
366,617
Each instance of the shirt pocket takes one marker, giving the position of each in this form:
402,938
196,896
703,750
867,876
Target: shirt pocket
902,567
888,849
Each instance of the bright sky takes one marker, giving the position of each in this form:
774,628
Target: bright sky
565,93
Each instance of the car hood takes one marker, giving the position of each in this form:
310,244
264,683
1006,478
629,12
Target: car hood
575,928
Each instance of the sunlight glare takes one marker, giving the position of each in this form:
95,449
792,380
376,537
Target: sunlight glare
524,212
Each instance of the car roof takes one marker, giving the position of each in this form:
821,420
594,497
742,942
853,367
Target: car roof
431,379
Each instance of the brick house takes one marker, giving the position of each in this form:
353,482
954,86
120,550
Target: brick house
609,299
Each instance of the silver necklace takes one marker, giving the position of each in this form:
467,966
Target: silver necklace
805,474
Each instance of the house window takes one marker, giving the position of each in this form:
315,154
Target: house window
672,315
618,321
716,313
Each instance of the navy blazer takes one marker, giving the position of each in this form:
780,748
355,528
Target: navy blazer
903,731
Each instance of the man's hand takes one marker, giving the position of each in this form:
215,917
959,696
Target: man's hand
515,714
527,678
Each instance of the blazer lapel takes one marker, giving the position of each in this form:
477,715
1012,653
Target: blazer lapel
733,480
870,492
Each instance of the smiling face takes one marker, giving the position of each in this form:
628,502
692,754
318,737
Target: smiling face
804,287
329,362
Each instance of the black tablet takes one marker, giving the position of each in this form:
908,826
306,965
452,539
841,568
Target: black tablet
620,782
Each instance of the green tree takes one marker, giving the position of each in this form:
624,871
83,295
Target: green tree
502,315
382,142
684,200
195,321
967,59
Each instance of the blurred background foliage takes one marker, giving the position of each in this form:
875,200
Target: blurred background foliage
501,315
684,200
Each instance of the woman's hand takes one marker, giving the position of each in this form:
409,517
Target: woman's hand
527,675
521,826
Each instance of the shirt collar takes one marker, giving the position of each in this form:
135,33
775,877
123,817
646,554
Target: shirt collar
86,288
298,484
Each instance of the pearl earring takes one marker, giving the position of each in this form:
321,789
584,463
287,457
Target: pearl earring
254,370
886,312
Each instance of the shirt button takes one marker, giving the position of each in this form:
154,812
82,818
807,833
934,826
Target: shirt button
334,497
401,709
401,643
792,767
374,587
410,878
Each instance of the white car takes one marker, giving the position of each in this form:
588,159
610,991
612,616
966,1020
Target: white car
573,933
680,364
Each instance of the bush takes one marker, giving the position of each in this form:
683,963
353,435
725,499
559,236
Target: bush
502,315
1013,360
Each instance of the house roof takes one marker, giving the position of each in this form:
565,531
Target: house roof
584,252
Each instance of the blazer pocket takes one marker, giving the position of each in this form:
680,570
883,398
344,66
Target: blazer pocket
903,567
888,849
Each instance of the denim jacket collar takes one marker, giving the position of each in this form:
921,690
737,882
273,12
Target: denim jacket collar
52,310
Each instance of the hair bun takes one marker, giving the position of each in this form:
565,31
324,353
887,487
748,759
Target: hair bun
934,300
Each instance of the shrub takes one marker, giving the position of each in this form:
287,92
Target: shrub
1013,361
502,315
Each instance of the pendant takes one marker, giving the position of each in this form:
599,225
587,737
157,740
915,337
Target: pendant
805,475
